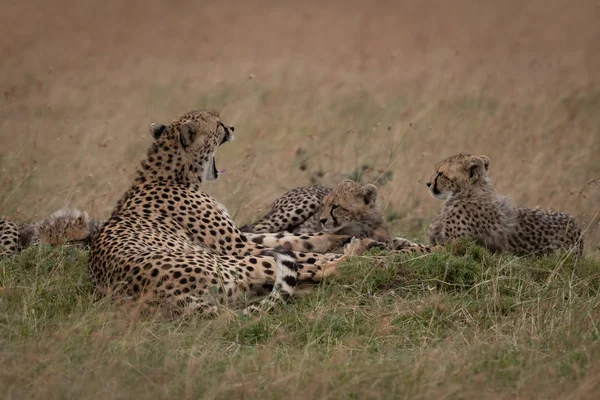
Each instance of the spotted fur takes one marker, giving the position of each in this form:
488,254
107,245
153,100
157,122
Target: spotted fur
167,242
354,209
330,216
473,208
9,238
297,211
66,226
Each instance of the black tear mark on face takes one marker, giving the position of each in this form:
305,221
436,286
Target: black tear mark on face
333,218
436,190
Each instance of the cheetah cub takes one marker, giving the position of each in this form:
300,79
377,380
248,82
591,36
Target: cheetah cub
65,226
472,207
350,209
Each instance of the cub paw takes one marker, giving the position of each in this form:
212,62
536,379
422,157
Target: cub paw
377,245
358,246
399,243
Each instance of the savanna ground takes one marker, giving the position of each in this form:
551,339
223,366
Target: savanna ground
317,91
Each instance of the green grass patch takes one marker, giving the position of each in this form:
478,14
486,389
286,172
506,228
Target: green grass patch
459,323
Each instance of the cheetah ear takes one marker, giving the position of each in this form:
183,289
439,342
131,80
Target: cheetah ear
369,192
187,133
475,167
156,130
486,162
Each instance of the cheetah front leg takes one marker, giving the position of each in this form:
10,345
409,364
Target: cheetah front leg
315,242
222,237
322,270
243,246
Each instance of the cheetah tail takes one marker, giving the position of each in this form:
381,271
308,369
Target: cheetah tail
286,280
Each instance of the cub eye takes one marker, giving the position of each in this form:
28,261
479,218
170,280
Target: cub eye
440,173
337,206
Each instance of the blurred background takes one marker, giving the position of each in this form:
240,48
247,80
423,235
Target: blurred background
318,91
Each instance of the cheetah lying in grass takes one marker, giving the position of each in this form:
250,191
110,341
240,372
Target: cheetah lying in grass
167,242
472,207
65,226
350,209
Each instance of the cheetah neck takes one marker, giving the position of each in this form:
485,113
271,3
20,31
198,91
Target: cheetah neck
160,165
164,167
484,192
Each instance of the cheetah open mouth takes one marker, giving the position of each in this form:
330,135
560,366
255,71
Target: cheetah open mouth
213,172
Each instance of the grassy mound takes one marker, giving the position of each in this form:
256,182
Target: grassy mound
460,323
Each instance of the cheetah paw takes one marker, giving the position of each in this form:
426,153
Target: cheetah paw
399,243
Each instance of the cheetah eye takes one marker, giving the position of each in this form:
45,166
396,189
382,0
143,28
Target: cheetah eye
336,206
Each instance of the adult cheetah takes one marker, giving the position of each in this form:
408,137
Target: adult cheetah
472,207
167,242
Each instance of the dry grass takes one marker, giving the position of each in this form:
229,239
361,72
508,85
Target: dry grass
316,90
395,87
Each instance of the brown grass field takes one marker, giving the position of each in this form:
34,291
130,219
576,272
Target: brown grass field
317,91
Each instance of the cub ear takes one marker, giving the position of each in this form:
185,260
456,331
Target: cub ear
214,113
156,130
475,167
486,162
369,192
187,134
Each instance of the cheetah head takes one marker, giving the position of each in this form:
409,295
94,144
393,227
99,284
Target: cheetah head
65,225
190,144
348,206
457,174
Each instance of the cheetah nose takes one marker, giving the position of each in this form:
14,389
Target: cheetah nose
232,128
323,220
428,184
